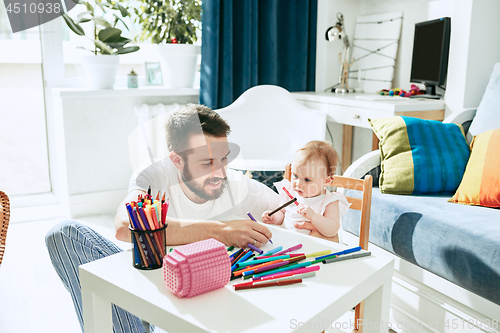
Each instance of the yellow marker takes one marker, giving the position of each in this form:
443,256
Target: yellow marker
318,254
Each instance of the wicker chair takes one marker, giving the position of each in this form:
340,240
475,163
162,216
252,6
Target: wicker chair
4,221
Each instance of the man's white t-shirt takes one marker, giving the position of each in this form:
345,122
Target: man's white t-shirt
240,196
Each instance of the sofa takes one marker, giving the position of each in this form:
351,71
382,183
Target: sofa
447,255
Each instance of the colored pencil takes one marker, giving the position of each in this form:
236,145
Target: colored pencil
255,248
270,284
289,273
283,206
259,261
296,276
290,249
277,255
273,251
249,268
354,249
266,268
317,254
347,257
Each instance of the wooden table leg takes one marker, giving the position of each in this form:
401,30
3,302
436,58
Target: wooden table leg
346,147
359,317
375,142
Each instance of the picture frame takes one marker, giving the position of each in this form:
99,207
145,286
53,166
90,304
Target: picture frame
153,73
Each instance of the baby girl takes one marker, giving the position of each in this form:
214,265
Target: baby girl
313,168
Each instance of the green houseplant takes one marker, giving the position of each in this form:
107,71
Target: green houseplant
169,21
106,37
173,25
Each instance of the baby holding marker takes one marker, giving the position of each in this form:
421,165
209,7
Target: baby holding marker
313,168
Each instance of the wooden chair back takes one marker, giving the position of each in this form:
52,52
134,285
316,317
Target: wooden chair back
4,221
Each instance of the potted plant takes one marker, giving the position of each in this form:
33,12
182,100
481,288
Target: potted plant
173,25
106,37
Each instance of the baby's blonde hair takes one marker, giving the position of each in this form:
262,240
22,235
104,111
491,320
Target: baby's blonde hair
321,151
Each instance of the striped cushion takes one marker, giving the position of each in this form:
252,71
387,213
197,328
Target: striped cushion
420,156
481,182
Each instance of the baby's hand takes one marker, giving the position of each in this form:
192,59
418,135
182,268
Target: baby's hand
269,219
266,218
305,211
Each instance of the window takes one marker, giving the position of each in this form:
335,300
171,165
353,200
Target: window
24,167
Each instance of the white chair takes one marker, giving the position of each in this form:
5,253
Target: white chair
270,125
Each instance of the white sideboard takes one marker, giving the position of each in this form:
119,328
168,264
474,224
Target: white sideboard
354,109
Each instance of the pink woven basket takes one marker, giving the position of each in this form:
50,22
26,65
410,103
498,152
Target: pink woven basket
197,268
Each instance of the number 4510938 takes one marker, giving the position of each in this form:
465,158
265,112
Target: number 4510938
456,324
33,8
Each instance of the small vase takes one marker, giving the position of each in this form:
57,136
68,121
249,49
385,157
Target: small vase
101,70
178,64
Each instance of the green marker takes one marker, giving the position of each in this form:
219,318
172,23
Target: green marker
284,269
325,258
259,261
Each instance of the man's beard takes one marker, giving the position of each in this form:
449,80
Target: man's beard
198,189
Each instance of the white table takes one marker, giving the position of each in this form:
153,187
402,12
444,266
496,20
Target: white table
317,302
354,109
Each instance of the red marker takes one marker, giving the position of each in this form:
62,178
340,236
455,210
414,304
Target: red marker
286,191
269,284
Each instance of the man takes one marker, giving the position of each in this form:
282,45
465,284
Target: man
207,200
202,191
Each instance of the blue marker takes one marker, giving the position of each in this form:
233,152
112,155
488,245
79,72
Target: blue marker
273,251
245,257
354,249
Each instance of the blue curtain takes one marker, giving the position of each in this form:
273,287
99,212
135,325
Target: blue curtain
252,42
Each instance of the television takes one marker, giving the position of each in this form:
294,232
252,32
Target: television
431,46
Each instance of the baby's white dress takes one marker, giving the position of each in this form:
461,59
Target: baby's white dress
318,204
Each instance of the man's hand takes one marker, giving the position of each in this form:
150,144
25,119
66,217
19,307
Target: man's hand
314,231
242,232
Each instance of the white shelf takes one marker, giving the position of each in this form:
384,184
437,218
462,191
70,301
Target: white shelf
125,92
361,100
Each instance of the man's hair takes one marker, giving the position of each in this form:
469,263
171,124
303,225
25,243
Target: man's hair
186,121
320,151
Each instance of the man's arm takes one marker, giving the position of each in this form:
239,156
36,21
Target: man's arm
238,233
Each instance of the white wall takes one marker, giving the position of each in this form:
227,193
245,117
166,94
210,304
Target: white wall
484,49
94,129
474,48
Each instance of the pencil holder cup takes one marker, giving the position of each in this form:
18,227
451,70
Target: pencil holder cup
197,268
149,247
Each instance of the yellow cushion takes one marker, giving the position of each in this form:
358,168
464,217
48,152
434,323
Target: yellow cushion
481,182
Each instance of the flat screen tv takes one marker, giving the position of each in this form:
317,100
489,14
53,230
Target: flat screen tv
431,46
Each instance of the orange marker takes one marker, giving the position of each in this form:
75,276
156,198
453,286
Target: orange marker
154,217
147,210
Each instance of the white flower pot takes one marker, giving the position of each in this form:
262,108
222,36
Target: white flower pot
178,64
100,70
